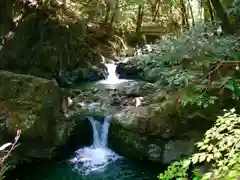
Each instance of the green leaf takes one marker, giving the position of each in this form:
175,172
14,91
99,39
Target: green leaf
195,159
202,158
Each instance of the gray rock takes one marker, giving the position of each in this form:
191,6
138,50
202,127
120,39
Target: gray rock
154,153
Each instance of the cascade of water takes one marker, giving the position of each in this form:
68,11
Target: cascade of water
97,156
96,135
112,77
104,131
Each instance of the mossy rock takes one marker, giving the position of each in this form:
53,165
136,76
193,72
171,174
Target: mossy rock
35,105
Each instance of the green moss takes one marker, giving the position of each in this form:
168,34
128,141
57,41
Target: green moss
35,105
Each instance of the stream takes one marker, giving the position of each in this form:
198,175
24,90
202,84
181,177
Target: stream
94,162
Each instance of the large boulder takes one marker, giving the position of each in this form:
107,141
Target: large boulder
67,55
162,130
83,73
128,69
35,107
136,88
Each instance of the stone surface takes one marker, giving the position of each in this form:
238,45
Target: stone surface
35,105
128,69
162,130
136,88
146,120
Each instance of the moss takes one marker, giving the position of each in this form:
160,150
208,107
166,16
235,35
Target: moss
127,142
35,105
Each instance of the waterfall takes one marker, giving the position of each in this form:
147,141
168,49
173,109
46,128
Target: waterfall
104,132
100,137
96,138
112,77
97,156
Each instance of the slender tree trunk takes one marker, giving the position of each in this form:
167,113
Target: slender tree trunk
139,18
108,10
185,22
210,11
191,11
221,14
113,18
156,11
153,8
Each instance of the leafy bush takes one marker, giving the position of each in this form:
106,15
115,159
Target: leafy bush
200,61
220,147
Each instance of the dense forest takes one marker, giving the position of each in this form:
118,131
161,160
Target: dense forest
189,48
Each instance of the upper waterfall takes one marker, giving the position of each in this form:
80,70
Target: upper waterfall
112,77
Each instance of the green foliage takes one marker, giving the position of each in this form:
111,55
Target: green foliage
177,170
198,61
220,147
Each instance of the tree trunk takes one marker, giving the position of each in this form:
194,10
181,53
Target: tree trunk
139,18
113,18
221,14
156,10
185,22
108,10
191,11
210,11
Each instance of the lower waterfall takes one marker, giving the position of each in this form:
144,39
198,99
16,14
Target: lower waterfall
98,155
95,162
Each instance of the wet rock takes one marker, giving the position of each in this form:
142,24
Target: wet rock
89,73
163,129
128,69
35,105
136,88
176,149
155,152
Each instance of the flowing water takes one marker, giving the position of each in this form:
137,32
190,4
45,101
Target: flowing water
96,162
112,77
97,156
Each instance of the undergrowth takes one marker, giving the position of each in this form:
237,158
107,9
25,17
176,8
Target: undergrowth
219,147
201,61
206,66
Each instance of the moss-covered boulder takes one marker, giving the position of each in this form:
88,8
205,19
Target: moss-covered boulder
162,130
135,88
35,105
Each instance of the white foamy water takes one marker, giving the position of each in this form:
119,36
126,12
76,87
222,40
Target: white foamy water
97,156
112,77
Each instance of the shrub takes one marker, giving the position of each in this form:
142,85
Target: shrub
220,147
200,61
